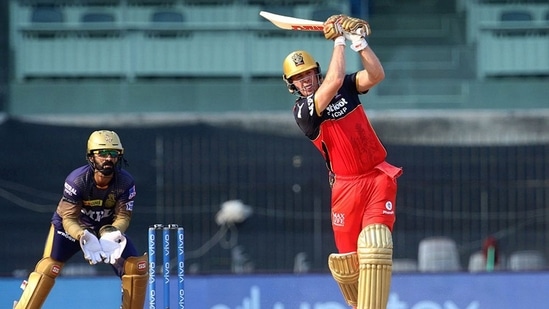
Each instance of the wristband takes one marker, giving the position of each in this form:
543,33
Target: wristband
340,40
359,45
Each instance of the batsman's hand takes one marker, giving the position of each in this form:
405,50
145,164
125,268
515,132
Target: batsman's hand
112,242
355,26
91,248
332,27
358,42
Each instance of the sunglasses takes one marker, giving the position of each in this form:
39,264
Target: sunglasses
104,153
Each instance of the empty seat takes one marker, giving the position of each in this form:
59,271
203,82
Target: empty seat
518,15
47,14
97,17
526,260
321,14
438,254
477,262
167,17
404,265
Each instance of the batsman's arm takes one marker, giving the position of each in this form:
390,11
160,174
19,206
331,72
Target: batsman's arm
336,69
332,81
373,72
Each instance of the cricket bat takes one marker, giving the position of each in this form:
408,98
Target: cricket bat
292,23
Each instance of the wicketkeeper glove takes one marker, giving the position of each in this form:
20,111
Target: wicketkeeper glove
91,247
112,242
332,27
355,26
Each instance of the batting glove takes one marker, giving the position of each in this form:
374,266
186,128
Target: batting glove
332,27
356,26
358,42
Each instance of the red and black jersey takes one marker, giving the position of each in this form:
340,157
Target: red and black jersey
343,133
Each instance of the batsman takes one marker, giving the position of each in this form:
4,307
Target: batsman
364,184
92,216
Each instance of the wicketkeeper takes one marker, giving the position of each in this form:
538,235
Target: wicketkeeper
364,185
92,216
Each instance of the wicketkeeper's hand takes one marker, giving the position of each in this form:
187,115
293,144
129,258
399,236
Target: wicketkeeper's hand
112,242
355,26
91,247
332,27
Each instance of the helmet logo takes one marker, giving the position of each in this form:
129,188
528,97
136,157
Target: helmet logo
297,58
108,138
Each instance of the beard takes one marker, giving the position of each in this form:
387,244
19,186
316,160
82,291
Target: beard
107,169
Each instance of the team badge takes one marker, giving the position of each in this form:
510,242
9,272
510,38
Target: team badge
297,58
108,138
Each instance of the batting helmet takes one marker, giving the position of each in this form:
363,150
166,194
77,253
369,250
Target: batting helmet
104,139
298,62
295,63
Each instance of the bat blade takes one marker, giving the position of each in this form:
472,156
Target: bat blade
292,23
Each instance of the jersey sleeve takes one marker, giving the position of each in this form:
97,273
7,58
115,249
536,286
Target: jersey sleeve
124,206
69,208
306,118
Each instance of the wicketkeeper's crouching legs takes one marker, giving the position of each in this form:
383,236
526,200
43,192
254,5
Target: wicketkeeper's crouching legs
364,277
39,284
134,282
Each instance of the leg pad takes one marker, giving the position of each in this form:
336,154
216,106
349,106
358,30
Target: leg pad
375,256
134,282
39,284
344,268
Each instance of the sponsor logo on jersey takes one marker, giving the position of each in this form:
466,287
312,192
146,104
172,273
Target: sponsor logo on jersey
67,236
93,203
69,190
97,215
337,109
129,206
310,105
132,193
388,208
338,219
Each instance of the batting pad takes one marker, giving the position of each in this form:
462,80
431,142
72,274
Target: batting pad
39,284
134,282
344,268
375,255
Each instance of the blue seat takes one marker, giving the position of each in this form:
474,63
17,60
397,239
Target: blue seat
167,17
47,14
519,15
94,17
